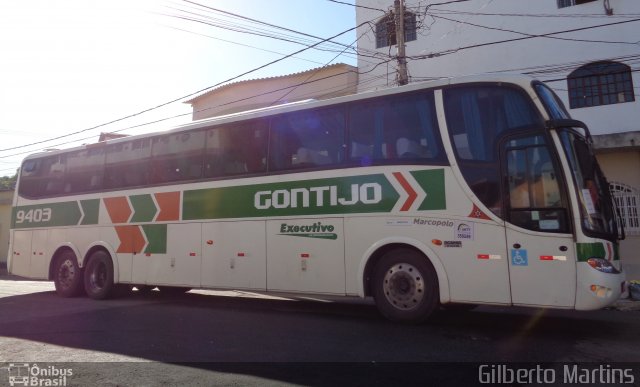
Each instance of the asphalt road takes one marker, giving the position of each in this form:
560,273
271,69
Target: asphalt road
239,338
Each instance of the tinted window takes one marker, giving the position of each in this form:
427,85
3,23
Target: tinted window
236,149
43,177
535,199
307,139
127,163
477,118
552,103
177,157
394,128
85,170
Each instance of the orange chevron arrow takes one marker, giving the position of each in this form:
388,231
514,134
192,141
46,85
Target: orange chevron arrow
169,203
407,187
118,209
131,239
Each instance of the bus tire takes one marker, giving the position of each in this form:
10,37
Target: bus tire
67,275
405,286
173,290
98,276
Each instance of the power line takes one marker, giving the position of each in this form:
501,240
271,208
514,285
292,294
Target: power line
358,6
570,16
533,35
201,110
455,50
183,97
218,23
263,23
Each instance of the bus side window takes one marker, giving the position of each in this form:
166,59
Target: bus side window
477,118
53,170
42,177
127,164
236,150
85,169
177,157
394,128
29,179
310,139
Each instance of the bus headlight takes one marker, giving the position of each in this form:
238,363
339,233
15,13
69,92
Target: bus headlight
602,265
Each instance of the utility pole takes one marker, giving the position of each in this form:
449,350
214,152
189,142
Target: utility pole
402,76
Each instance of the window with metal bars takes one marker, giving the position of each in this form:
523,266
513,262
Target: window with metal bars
386,29
600,83
628,202
569,3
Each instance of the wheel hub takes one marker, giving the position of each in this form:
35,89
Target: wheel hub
66,274
404,286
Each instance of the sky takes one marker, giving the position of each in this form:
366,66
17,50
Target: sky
67,66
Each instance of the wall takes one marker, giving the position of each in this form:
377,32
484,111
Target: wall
6,198
327,82
617,167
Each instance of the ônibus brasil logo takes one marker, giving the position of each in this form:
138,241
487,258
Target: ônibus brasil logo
24,374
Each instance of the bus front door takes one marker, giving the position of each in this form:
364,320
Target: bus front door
540,245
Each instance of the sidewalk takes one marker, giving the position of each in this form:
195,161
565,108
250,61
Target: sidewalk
626,305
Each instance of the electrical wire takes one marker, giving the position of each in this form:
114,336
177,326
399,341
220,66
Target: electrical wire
535,36
358,6
182,97
455,50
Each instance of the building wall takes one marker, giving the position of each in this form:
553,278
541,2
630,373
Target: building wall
327,82
6,199
617,167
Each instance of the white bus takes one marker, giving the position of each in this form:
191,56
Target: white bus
480,190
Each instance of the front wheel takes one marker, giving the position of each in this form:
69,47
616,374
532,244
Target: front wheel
405,286
98,276
67,275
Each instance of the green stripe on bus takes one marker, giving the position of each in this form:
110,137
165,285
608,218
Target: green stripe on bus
432,182
144,209
157,237
46,215
584,251
91,210
355,194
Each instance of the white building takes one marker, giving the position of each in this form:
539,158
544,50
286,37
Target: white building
588,51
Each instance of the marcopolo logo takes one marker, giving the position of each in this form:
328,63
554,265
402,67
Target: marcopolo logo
316,230
24,374
369,193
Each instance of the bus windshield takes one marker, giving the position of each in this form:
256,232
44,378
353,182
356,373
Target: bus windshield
596,205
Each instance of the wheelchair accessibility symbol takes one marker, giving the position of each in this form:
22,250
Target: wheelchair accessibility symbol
519,258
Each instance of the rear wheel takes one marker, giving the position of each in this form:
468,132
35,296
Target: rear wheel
67,275
98,276
405,286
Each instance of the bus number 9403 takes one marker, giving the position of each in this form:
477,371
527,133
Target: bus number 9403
36,215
